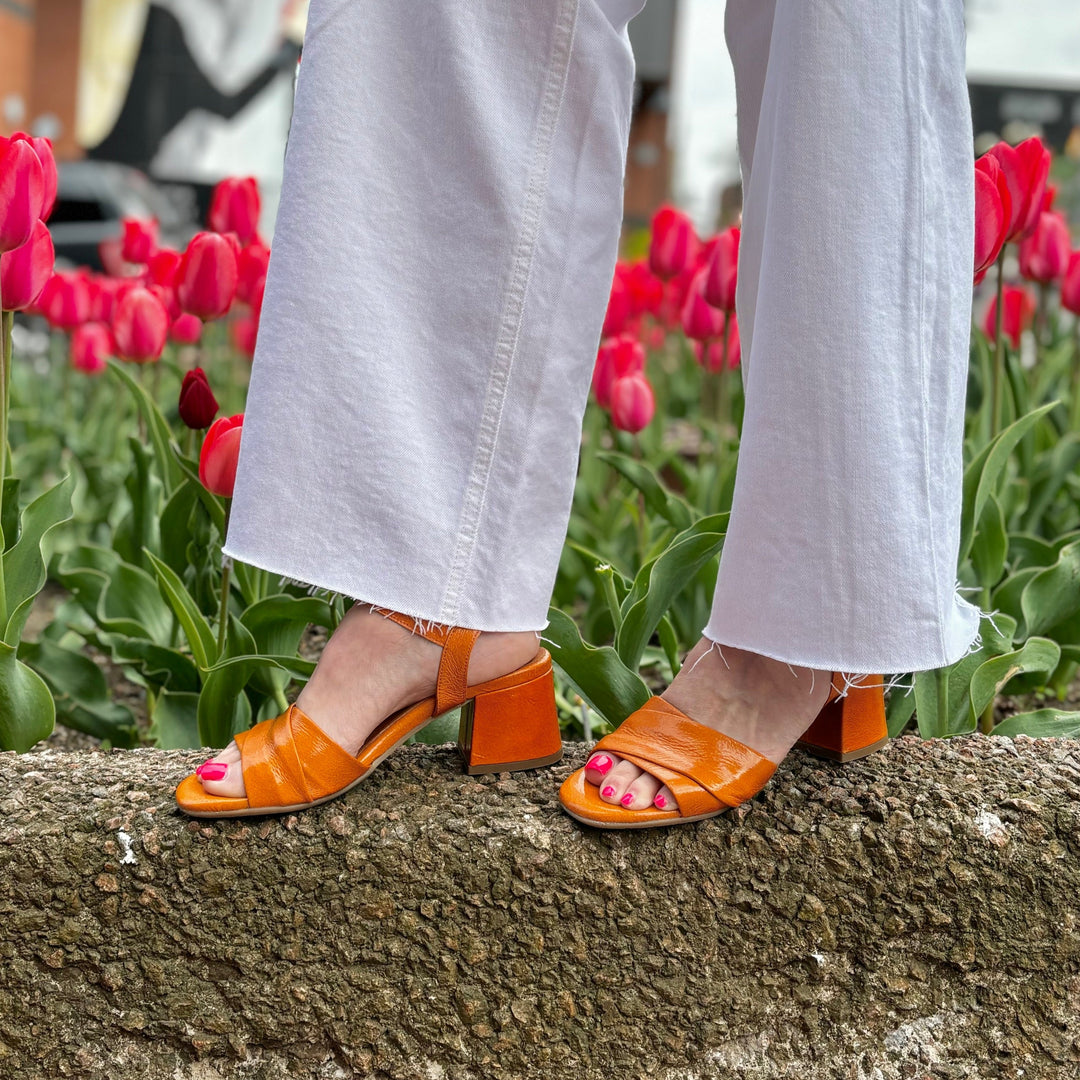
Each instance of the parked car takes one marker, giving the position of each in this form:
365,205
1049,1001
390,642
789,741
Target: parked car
93,196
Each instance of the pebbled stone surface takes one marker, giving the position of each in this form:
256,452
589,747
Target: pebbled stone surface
912,915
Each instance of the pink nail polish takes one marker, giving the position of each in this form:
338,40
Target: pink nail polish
627,799
601,764
608,792
214,770
661,801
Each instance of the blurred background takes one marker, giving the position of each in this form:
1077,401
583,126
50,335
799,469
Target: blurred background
150,102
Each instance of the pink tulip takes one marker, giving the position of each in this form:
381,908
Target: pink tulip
673,244
234,207
644,289
206,277
220,453
700,320
186,329
1070,285
711,354
993,212
617,356
251,266
243,332
91,344
632,402
44,149
618,310
162,266
22,191
1044,254
140,325
65,300
723,264
25,270
1017,316
1026,167
139,241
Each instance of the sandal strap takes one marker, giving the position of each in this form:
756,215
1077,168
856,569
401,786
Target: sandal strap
451,687
289,760
663,736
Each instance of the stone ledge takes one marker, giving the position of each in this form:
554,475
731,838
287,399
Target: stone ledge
911,915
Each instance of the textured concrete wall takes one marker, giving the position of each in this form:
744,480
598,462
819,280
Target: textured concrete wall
912,915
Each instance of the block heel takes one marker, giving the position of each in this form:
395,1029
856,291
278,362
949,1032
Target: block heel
512,723
851,726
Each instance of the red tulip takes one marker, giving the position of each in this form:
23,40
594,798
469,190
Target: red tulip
25,270
102,291
617,356
1044,254
198,406
673,245
1049,197
139,240
700,320
186,329
1026,167
251,266
711,354
993,212
618,310
723,264
22,192
632,402
140,325
206,277
65,300
91,343
44,149
234,207
1016,318
1070,285
243,332
220,452
644,289
110,251
162,266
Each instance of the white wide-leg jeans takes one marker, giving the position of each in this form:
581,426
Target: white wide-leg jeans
444,250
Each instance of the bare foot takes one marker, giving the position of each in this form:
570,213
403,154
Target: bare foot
763,703
370,668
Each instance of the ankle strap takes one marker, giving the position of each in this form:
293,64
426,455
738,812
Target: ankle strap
457,644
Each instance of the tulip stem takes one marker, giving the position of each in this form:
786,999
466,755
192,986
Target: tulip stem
223,608
1074,411
999,348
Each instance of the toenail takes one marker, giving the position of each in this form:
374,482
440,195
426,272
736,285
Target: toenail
601,764
608,792
627,799
214,770
661,801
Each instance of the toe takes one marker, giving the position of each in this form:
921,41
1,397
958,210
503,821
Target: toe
617,781
599,765
639,795
664,799
222,775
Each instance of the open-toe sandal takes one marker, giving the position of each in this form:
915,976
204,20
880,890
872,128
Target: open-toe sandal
289,763
708,772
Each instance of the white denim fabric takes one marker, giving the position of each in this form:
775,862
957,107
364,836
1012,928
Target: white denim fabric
441,264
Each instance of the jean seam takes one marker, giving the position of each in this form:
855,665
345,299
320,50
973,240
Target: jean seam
513,306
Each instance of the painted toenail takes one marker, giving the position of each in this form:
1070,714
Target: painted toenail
608,792
214,770
601,764
661,801
627,799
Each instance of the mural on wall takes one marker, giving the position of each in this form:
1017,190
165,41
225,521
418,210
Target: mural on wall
189,90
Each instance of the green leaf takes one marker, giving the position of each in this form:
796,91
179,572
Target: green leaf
9,520
898,709
156,426
27,713
24,563
659,581
981,475
140,529
991,545
1036,654
174,722
277,624
175,518
82,696
214,504
132,605
1042,723
196,628
598,675
159,665
1053,594
85,570
658,500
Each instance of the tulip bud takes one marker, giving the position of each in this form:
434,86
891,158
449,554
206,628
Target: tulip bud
44,149
185,329
673,244
711,354
91,344
618,309
25,270
140,325
198,406
139,241
162,266
234,207
617,356
1026,167
700,319
206,277
719,287
1044,254
1017,314
251,267
993,212
65,299
632,402
1070,285
22,191
644,288
220,453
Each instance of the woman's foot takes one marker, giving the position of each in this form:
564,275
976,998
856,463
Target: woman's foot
370,668
764,703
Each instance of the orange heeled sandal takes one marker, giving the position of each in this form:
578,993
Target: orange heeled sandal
708,772
289,763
